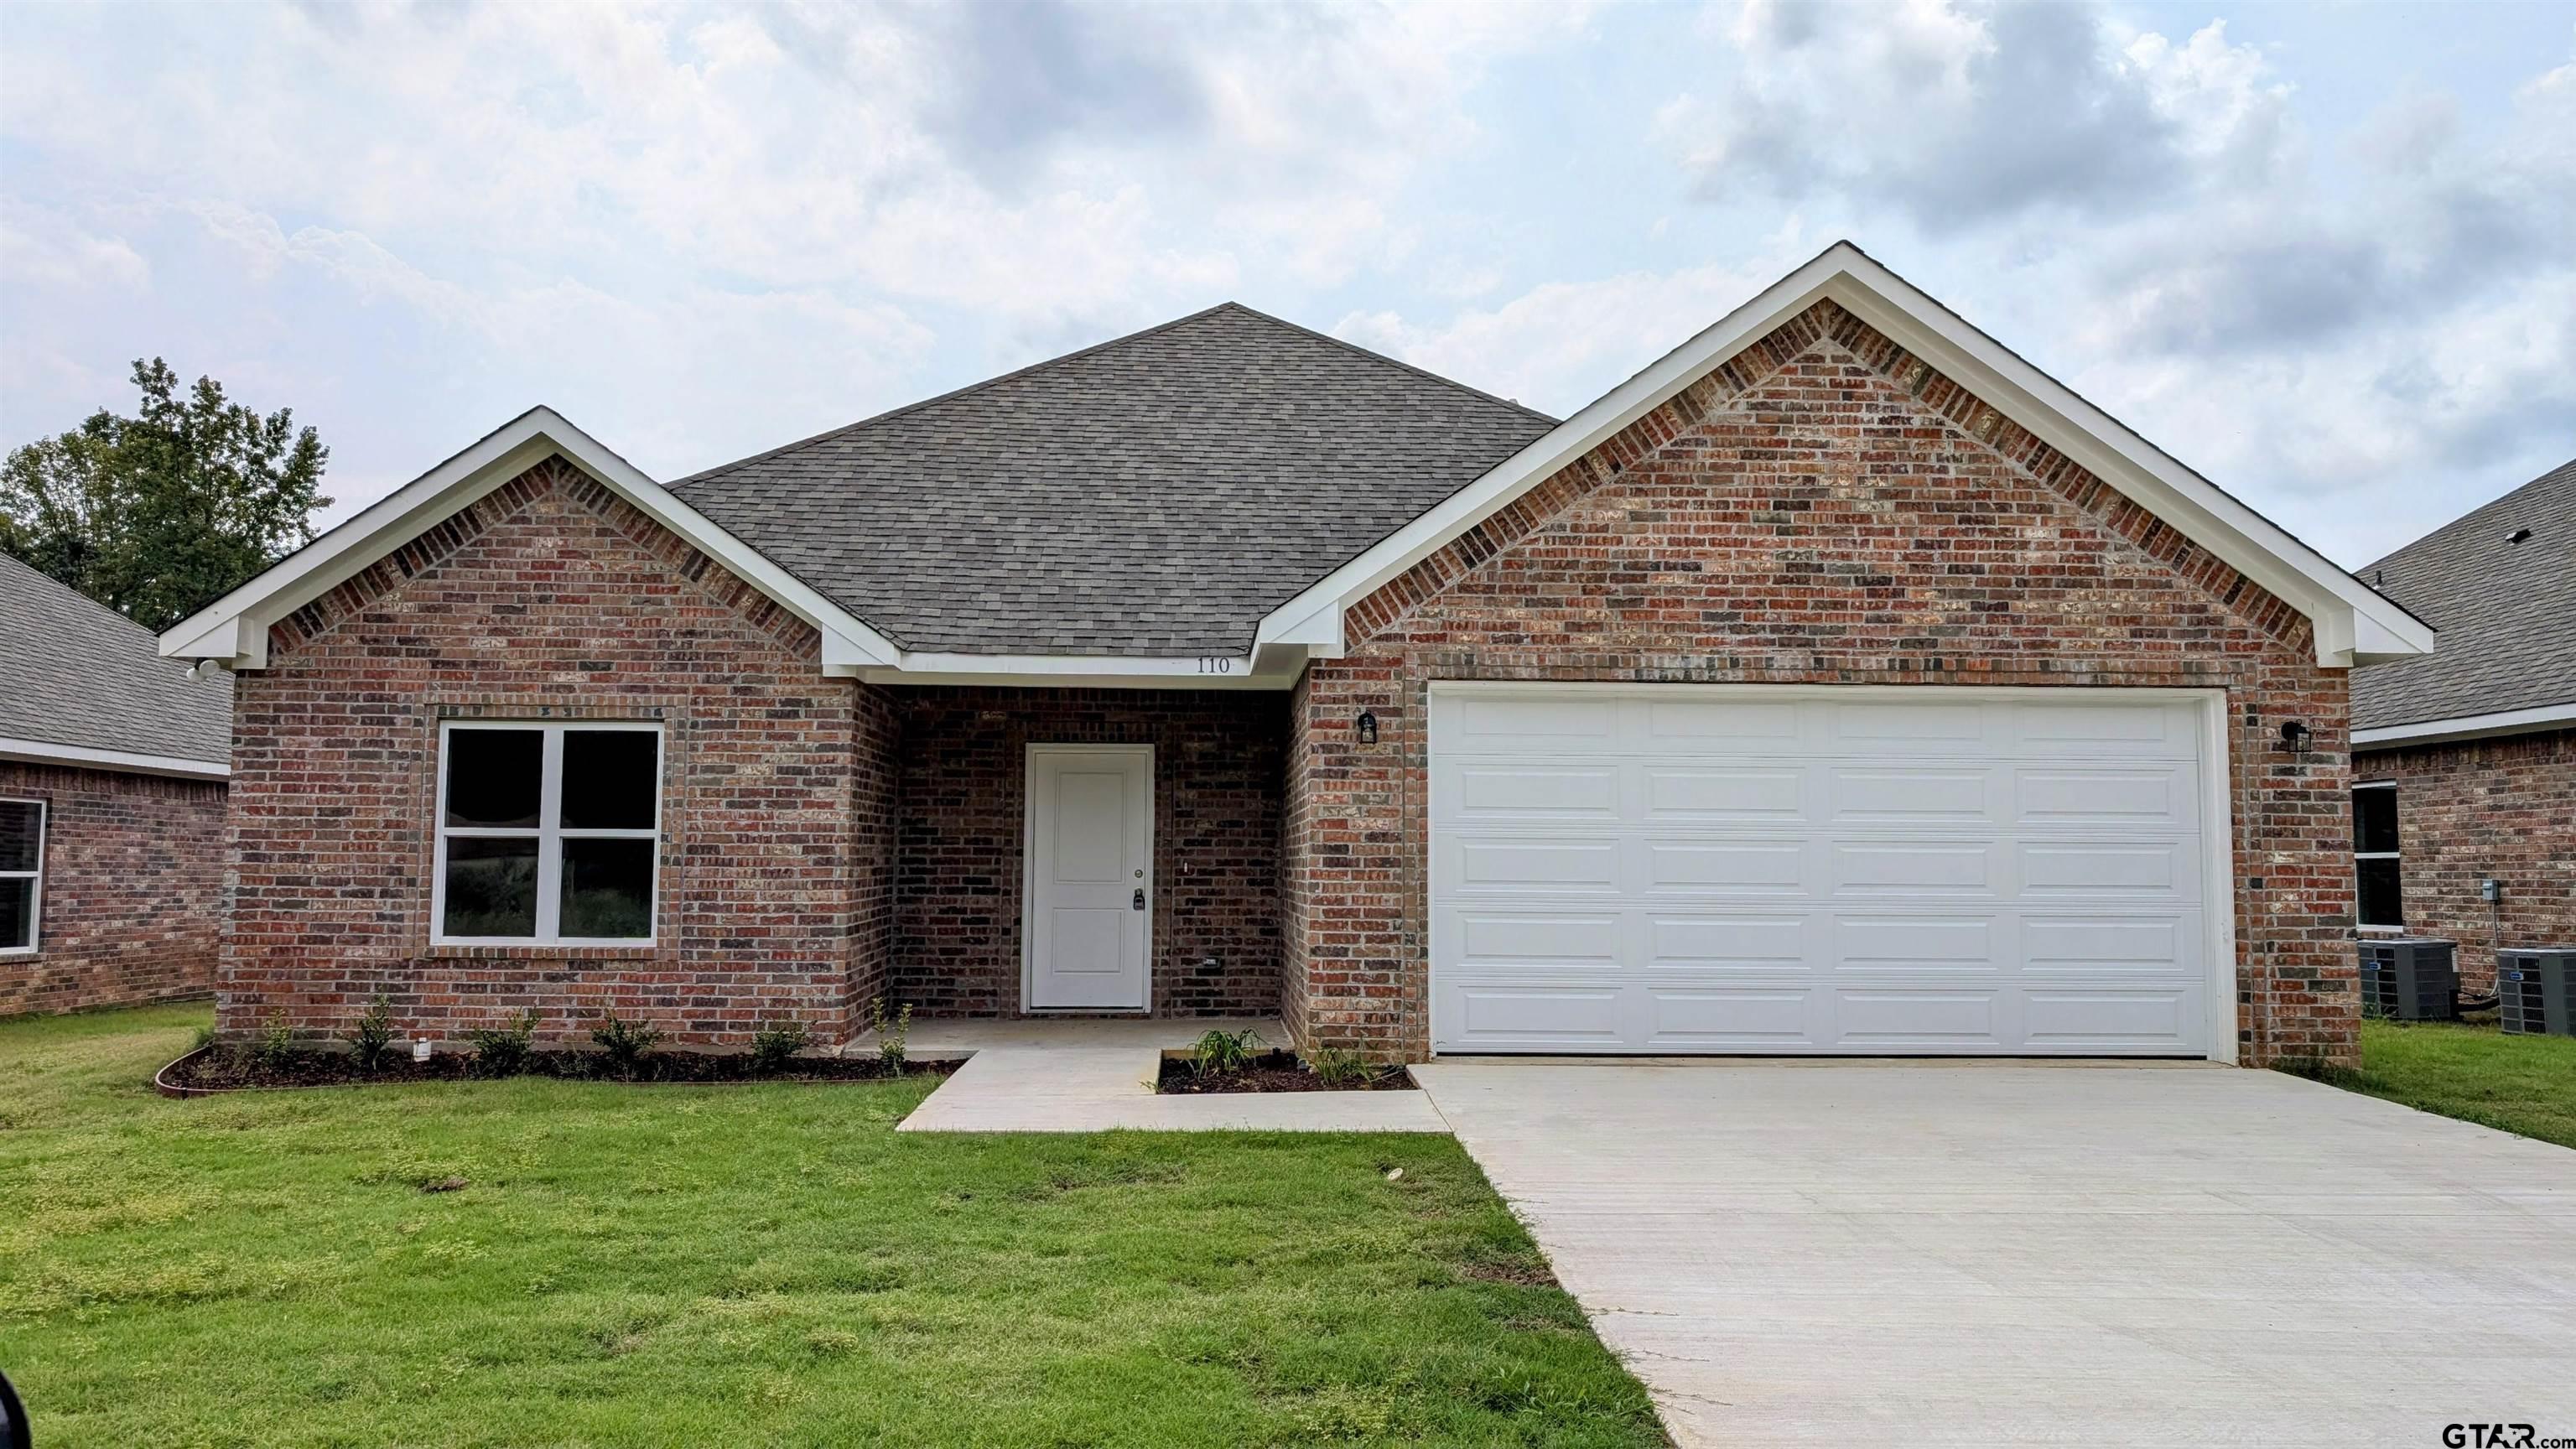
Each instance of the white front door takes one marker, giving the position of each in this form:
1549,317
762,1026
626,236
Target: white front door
1088,922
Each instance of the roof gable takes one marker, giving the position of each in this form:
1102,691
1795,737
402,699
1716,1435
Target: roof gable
2352,623
2506,609
84,685
1154,495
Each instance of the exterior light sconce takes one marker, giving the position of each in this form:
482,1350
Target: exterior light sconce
2295,737
1368,726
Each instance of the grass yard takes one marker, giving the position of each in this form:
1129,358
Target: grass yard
2524,1084
743,1265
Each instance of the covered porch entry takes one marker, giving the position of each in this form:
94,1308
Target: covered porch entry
1086,852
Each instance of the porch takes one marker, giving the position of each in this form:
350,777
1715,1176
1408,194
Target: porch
1084,852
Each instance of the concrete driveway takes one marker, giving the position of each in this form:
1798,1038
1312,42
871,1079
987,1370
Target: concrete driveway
2002,1254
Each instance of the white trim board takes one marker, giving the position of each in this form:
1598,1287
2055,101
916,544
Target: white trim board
2353,623
2535,720
44,752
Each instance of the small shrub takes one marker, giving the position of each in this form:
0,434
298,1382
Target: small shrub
772,1046
1337,1067
1225,1051
501,1051
275,1049
892,1029
372,1039
624,1044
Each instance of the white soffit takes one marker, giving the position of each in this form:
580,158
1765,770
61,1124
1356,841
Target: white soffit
2468,727
2353,623
46,752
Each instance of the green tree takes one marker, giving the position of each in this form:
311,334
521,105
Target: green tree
160,514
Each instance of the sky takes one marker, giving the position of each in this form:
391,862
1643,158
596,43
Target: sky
2324,254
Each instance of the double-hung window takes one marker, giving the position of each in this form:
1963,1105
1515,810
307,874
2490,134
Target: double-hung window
2377,899
547,833
22,873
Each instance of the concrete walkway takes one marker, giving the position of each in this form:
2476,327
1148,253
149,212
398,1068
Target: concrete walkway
1085,1075
1984,1254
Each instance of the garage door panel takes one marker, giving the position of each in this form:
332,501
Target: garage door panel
1949,944
1737,1019
1516,791
1917,797
1674,725
2164,870
1667,867
1763,943
2104,729
1536,723
2111,1020
1723,794
1522,941
1652,870
2125,945
2062,797
1914,868
1885,1019
1938,727
1540,1017
1505,865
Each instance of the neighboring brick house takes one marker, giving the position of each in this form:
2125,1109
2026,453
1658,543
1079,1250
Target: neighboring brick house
1839,683
2464,763
112,767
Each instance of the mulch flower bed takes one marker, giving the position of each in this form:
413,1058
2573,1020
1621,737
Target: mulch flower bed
1275,1071
225,1069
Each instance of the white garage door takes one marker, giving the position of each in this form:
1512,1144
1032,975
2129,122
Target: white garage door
1771,869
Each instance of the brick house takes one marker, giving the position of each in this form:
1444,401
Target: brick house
112,768
2464,762
1838,683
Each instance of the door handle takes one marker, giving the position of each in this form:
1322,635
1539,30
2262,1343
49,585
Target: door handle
1140,898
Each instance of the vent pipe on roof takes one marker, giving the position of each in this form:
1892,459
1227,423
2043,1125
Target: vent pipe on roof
2518,535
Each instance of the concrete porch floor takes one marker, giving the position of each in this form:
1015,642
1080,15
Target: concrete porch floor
1092,1074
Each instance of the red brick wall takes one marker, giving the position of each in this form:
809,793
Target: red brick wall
2500,809
1217,765
132,893
551,597
1824,509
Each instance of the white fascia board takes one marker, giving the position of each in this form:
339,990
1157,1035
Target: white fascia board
2352,622
85,757
1072,671
234,628
2468,727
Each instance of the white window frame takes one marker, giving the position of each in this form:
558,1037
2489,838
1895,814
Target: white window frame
549,833
36,900
2359,855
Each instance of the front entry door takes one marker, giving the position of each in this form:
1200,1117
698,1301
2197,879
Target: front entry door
1088,922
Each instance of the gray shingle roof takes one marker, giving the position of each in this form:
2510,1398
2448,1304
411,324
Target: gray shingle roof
76,672
1153,495
2506,611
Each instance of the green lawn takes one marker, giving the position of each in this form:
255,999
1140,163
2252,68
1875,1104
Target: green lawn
2471,1071
742,1265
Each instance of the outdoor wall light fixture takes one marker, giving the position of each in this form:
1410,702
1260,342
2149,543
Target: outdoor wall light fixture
2294,737
1368,726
